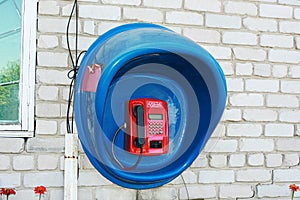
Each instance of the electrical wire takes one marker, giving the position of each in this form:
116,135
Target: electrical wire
185,186
73,72
114,155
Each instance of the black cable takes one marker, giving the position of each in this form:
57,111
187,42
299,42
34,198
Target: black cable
114,155
73,72
185,186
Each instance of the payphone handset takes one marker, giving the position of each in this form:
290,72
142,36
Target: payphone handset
147,131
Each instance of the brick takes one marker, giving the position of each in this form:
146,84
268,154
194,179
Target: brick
110,193
262,85
290,86
162,4
232,115
227,68
49,93
294,72
289,2
272,191
245,69
54,77
219,131
244,53
198,192
281,100
100,12
189,176
86,164
243,38
218,161
263,70
55,25
285,56
48,41
4,162
246,99
123,2
45,144
221,145
298,42
143,14
92,178
298,129
254,175
275,11
105,26
202,35
23,162
289,27
10,180
47,110
52,59
218,52
158,193
200,162
290,116
220,176
270,40
288,144
89,27
202,5
56,194
242,8
175,28
47,162
279,130
48,179
258,24
222,21
286,175
244,130
11,145
235,191
291,159
261,115
48,7
258,145
297,13
83,42
180,17
66,9
273,160
237,160
267,1
279,71
256,159
235,84
24,193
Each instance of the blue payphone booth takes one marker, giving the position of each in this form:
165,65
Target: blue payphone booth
147,100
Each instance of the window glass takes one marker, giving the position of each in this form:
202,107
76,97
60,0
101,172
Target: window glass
10,52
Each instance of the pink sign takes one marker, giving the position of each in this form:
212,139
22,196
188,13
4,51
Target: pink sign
91,78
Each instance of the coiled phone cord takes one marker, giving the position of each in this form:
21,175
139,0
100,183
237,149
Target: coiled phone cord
114,155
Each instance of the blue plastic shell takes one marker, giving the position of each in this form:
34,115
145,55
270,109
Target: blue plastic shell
148,61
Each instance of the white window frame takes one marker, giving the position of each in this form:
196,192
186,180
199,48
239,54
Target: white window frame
27,75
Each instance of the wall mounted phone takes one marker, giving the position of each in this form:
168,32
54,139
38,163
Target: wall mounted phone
147,130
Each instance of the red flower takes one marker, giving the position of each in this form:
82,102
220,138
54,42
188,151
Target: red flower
40,189
294,187
8,191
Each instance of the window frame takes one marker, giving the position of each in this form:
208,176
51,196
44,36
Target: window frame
25,128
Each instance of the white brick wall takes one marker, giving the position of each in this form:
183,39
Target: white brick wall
254,153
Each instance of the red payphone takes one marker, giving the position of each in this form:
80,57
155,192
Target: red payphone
147,130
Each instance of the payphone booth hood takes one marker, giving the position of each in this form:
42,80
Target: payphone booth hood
181,73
